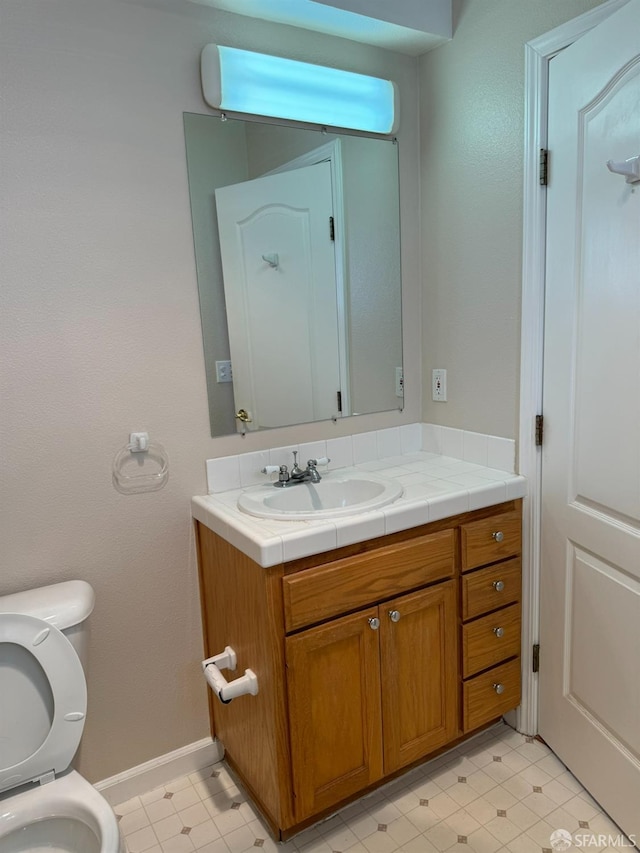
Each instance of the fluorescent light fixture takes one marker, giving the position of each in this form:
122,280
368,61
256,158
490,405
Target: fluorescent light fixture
242,81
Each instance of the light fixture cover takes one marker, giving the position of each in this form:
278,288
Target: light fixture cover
246,82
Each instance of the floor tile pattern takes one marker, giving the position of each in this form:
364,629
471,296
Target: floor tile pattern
499,792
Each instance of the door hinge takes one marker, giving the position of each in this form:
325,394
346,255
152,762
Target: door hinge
535,660
339,396
539,430
544,167
332,229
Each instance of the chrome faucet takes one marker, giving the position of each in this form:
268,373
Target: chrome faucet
292,478
310,473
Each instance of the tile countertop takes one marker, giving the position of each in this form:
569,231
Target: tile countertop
435,487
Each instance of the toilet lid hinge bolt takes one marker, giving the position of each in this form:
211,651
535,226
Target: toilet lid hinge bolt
47,777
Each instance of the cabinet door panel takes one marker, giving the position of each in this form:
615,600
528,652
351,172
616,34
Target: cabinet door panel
334,711
419,673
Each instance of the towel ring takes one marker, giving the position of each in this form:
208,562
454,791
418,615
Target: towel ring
149,458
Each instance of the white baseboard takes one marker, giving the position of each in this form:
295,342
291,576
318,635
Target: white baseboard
152,774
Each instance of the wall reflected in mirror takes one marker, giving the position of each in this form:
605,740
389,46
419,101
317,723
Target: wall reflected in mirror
297,245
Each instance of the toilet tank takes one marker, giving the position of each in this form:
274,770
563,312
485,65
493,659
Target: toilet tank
65,605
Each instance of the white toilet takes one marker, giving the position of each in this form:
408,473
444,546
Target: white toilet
44,804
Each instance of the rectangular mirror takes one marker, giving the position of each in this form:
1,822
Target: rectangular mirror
297,244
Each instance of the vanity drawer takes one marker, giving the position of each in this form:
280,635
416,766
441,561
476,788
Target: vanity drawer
490,588
481,701
491,539
489,640
313,595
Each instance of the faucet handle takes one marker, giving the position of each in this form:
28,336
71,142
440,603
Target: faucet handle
283,475
296,468
322,460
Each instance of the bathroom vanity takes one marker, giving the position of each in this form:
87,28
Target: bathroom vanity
370,657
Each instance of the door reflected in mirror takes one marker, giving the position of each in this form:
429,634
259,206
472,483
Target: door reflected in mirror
297,243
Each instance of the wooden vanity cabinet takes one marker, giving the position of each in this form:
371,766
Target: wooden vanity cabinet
369,658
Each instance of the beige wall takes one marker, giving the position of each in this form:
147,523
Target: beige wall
100,333
472,142
216,154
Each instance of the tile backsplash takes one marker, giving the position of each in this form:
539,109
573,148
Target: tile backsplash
489,450
234,472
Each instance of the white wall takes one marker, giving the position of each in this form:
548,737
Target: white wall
101,333
472,143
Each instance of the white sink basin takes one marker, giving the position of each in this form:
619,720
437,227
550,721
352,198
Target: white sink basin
334,496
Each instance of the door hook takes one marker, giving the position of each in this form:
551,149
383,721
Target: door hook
629,168
272,259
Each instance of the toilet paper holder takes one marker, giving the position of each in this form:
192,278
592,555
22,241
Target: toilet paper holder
228,690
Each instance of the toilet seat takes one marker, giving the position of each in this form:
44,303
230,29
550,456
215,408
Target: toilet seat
65,675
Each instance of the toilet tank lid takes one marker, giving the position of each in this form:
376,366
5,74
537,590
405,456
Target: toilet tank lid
63,605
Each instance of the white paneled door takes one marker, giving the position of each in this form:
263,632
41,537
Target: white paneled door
590,553
279,268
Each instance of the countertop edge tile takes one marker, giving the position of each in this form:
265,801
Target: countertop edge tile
516,487
359,528
403,515
446,506
312,540
201,511
489,495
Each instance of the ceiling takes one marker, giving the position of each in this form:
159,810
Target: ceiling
406,26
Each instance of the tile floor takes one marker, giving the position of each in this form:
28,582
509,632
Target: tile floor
497,792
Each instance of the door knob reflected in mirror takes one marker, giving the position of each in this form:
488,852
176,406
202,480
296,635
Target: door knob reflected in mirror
244,416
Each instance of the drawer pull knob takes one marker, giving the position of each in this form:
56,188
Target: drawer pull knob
499,632
499,688
498,536
498,586
394,615
374,623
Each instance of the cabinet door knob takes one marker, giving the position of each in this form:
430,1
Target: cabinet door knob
499,632
498,536
374,623
498,586
394,615
499,688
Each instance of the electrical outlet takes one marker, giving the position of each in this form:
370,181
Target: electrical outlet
399,382
223,371
439,385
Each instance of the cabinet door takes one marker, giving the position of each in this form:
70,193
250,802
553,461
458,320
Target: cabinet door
418,644
334,710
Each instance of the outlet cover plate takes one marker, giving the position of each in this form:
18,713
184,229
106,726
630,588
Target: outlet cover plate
439,385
